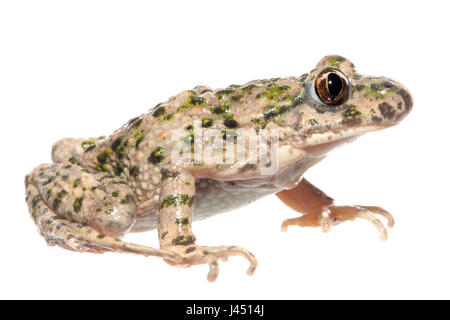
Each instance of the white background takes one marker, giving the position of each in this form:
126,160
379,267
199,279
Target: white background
83,68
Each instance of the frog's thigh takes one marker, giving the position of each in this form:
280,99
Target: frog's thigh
318,209
98,200
81,211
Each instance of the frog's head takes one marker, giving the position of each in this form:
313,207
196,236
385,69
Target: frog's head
341,103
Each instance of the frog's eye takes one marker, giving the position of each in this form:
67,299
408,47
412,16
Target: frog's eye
332,87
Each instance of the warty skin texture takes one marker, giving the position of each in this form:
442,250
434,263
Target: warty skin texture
99,189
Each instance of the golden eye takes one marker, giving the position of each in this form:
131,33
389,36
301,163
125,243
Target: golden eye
332,87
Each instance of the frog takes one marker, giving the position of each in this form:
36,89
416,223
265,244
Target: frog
146,175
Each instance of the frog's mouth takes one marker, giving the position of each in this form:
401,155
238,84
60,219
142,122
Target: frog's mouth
322,142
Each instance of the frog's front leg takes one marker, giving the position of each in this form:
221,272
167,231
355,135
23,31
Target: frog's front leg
177,198
318,209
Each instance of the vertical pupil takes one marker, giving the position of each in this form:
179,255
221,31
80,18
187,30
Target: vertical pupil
334,85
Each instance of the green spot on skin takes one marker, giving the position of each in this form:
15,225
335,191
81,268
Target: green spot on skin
157,156
88,145
76,182
222,110
120,151
197,101
103,157
73,160
230,123
118,169
58,199
177,200
184,240
273,92
335,61
192,102
248,89
135,123
313,122
99,187
100,236
182,220
259,122
65,177
115,193
49,193
160,111
273,111
103,167
169,117
49,180
77,204
134,171
225,92
115,145
236,98
207,123
381,90
140,137
36,199
352,115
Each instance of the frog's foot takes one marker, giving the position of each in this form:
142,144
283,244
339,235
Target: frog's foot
319,210
187,256
333,215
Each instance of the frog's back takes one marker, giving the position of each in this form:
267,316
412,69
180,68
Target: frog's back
237,106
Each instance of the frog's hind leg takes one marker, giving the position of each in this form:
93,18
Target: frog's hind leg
319,210
55,230
64,202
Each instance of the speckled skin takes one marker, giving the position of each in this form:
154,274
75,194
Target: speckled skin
99,189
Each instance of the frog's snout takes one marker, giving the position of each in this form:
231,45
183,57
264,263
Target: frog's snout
406,105
382,101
